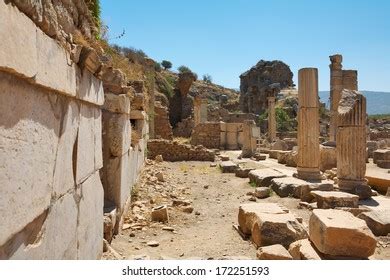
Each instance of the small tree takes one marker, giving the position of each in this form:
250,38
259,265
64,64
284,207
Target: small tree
166,64
184,69
207,78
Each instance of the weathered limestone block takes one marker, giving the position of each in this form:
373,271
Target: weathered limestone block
308,125
328,157
303,250
90,219
381,154
98,139
351,144
248,214
263,177
117,103
332,199
288,186
50,236
371,147
269,229
89,88
117,133
306,190
383,163
291,159
228,167
339,233
18,52
273,252
282,156
29,135
243,172
86,146
273,153
262,192
378,221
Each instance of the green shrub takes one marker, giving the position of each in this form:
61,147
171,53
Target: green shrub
166,64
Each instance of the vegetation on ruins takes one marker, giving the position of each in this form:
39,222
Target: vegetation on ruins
207,78
185,69
166,64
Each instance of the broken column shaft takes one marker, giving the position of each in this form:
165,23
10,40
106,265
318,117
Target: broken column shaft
336,86
271,118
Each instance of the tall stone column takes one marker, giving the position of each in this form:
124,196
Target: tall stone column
271,118
351,144
197,108
308,165
247,146
336,86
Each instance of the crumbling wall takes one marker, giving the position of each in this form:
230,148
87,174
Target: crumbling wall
174,151
51,197
207,134
163,128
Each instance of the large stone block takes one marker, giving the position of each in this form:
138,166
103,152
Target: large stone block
303,250
118,104
273,252
117,133
29,134
288,186
51,236
18,51
263,177
282,229
90,222
232,140
378,221
98,139
332,199
89,88
328,157
381,154
56,73
248,214
228,167
339,233
86,143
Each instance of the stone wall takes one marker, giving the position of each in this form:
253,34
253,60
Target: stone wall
51,197
163,128
207,134
174,151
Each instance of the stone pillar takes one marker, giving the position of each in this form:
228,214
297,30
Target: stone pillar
203,110
271,118
247,146
308,165
197,108
350,79
351,144
336,86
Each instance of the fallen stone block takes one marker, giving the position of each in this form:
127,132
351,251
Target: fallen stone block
224,157
339,233
288,186
307,189
279,145
160,214
383,163
273,154
263,177
273,252
328,157
381,154
243,172
228,167
262,192
303,250
270,229
378,221
258,156
334,199
282,156
248,213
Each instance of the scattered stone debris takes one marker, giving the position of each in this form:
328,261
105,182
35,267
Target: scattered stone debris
160,214
303,250
153,243
378,221
262,192
273,252
263,177
228,167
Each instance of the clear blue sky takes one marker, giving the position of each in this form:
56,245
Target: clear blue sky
226,37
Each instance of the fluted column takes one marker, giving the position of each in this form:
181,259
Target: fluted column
336,86
271,118
308,165
350,80
351,144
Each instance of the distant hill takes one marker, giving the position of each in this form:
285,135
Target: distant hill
377,102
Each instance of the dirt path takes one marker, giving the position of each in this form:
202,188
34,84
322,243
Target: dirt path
205,233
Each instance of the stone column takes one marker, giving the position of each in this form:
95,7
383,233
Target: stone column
336,86
203,110
271,118
351,144
197,108
247,146
350,79
308,165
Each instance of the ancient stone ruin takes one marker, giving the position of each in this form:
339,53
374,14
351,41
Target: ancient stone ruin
102,157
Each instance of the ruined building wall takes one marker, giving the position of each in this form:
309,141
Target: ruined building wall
51,196
163,128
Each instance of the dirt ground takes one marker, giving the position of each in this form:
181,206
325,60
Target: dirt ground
205,233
